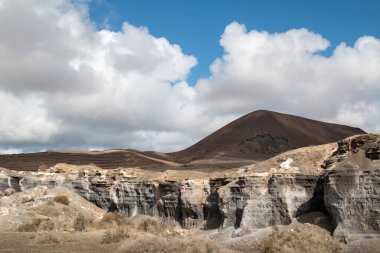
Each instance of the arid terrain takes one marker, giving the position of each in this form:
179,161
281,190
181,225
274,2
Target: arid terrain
254,137
263,134
267,182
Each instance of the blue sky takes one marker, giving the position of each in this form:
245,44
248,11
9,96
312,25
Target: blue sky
198,66
197,25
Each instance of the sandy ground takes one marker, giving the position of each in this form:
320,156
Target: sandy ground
295,238
44,220
309,233
68,242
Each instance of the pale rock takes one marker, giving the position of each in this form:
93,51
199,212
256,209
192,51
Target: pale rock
287,164
9,191
3,210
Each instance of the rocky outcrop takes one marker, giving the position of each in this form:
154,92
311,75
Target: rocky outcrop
8,181
347,189
352,188
246,202
255,202
353,201
41,208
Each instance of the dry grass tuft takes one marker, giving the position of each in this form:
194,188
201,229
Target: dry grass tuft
109,219
81,222
47,210
172,245
115,233
50,203
36,225
154,226
297,240
194,245
117,227
45,238
145,245
61,199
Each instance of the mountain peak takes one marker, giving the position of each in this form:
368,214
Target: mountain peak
262,134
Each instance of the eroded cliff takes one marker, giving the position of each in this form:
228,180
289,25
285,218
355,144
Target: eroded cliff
341,180
352,186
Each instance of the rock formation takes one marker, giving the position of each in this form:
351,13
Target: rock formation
352,186
340,179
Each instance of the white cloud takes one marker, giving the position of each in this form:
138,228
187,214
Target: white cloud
65,84
285,72
24,119
10,151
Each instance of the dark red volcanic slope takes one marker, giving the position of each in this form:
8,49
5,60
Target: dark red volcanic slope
105,159
255,136
262,134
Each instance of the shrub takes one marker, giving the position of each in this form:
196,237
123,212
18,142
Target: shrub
194,245
45,238
154,226
144,245
81,222
47,210
61,199
28,227
115,234
36,225
172,245
50,203
300,239
109,219
46,224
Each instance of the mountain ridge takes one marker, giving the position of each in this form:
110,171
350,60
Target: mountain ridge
256,136
262,134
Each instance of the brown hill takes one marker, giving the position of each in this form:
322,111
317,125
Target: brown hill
263,134
255,136
109,159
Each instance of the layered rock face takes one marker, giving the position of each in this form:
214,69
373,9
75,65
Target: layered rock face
247,202
247,199
352,187
256,202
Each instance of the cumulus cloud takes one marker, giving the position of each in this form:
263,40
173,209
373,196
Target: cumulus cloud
286,72
65,84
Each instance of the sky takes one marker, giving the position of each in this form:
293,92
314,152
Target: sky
197,25
161,75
